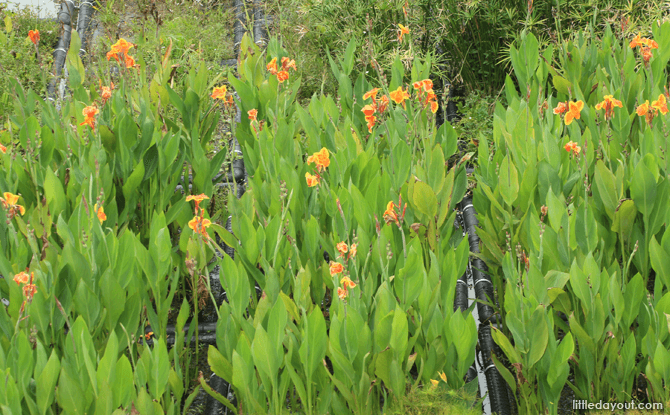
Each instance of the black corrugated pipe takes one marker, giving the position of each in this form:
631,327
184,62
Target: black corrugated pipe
65,18
86,10
260,24
483,288
238,26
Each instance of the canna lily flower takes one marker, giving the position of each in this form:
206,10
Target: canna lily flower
21,278
282,76
371,122
371,94
608,104
402,30
347,283
219,92
561,108
660,104
89,116
311,180
342,248
9,202
272,66
112,54
341,293
199,225
389,214
335,268
417,85
321,158
105,94
3,149
352,251
573,148
637,41
434,383
130,61
286,64
433,107
427,84
646,111
384,104
368,110
443,376
253,114
122,46
574,112
34,36
29,291
100,212
197,198
399,96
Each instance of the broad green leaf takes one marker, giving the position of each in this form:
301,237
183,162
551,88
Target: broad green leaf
509,181
606,188
643,188
425,200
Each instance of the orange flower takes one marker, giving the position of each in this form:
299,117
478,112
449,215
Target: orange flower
253,114
660,104
198,198
286,63
21,278
90,111
384,104
573,148
574,111
321,158
399,96
561,108
29,291
9,202
100,213
637,41
608,104
122,46
219,92
342,248
402,30
389,214
89,121
347,283
282,76
112,54
130,61
371,122
352,250
643,109
443,376
199,225
106,94
34,36
311,180
434,383
427,84
341,293
335,268
272,66
433,106
3,149
371,94
368,110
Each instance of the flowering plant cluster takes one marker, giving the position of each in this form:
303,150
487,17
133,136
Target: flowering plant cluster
119,51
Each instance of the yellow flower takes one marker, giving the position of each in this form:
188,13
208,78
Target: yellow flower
402,30
9,202
3,149
253,114
219,92
198,198
106,94
435,383
352,250
443,376
272,66
574,112
660,104
311,180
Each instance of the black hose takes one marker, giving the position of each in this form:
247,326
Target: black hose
86,10
65,14
260,25
483,287
238,26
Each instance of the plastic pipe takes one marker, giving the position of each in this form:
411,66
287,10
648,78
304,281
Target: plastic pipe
65,14
86,10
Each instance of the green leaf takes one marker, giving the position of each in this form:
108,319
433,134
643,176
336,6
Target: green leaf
219,364
425,200
643,188
539,336
313,348
624,219
46,383
133,181
55,195
265,357
660,261
605,182
160,369
399,330
509,181
562,85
